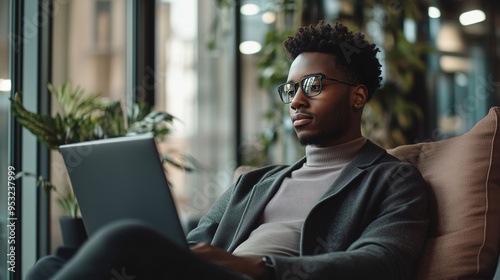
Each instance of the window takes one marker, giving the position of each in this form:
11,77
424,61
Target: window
4,129
196,85
89,50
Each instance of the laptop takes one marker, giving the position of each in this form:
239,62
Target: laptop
122,178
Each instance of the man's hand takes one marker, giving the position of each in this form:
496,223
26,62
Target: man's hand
251,266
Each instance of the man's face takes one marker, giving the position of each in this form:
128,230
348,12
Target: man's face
327,119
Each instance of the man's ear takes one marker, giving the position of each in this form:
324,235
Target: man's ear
360,97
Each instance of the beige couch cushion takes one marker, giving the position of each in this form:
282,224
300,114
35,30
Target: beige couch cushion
463,177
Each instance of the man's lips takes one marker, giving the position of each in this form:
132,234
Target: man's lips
300,119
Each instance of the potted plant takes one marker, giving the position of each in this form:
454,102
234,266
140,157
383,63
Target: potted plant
85,118
72,228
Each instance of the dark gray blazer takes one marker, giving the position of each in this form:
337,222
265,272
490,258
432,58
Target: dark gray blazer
370,224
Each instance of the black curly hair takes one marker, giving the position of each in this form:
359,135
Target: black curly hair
354,55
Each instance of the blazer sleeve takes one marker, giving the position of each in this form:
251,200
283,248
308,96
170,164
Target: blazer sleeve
209,223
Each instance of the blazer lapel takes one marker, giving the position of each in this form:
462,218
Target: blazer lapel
368,154
260,196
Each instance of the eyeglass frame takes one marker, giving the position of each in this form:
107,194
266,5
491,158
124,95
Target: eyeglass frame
301,83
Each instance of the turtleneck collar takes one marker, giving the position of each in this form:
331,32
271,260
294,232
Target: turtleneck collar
337,154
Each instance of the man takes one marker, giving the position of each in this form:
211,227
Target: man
347,210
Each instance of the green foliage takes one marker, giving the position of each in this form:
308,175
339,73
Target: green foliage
389,115
405,58
67,201
74,102
155,122
88,117
273,64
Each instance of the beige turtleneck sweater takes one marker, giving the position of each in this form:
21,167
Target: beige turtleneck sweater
282,219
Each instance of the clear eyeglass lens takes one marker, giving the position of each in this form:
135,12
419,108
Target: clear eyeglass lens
311,86
307,84
287,92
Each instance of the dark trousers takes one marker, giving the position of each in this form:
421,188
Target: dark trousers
129,250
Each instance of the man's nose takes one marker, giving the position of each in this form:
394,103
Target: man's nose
299,100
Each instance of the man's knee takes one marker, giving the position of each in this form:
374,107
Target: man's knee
125,231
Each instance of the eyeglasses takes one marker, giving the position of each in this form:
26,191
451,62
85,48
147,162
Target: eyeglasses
311,86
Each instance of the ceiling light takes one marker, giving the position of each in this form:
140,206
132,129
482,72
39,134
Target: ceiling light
249,9
472,17
268,17
449,38
5,85
454,64
434,12
250,47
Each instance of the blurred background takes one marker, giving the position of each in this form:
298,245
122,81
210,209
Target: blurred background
214,64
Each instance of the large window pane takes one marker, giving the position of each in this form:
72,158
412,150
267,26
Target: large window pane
89,51
196,86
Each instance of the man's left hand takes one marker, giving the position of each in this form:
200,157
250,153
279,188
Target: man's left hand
251,266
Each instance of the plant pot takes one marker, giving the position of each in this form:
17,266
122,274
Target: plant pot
73,231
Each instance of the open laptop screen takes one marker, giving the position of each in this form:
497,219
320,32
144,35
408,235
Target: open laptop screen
122,178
